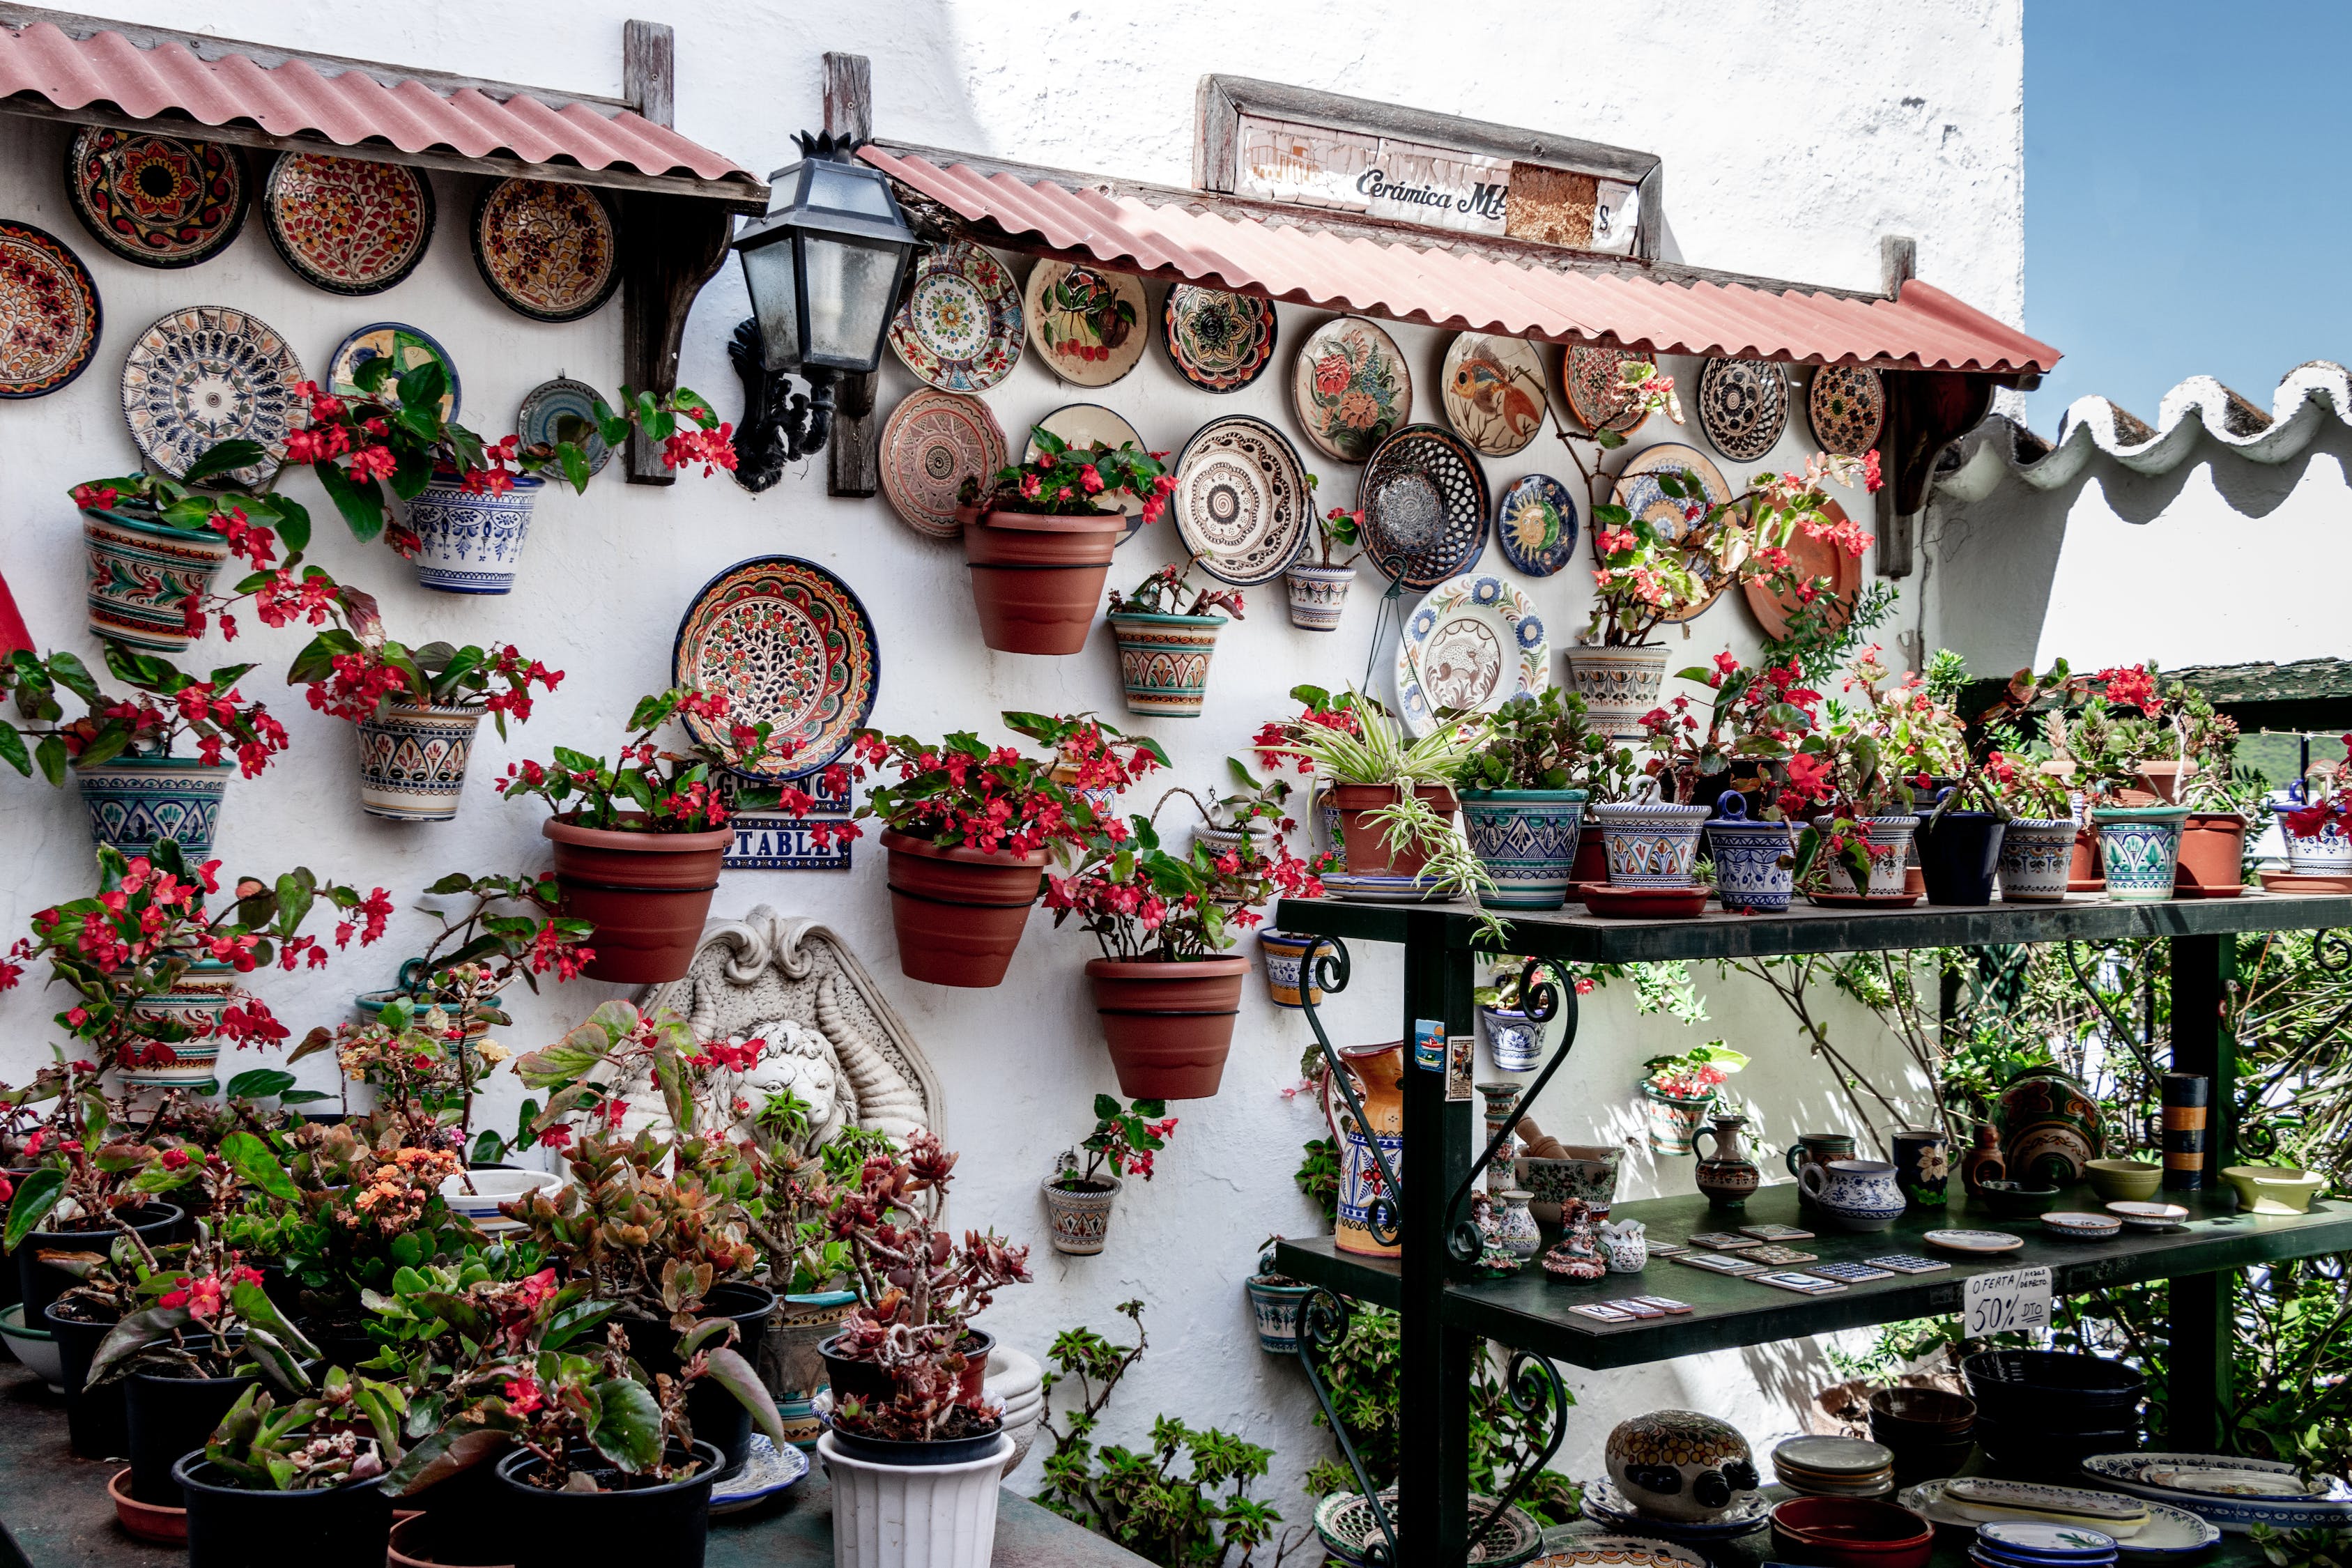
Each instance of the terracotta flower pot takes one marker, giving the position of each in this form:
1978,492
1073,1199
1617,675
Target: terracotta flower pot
647,894
1591,856
2213,856
1036,580
1168,1024
1368,852
959,912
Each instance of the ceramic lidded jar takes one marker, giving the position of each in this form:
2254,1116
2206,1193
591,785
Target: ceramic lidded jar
1680,1464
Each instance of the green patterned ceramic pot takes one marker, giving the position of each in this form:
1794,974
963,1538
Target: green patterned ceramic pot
141,573
134,801
1527,840
1164,661
2140,847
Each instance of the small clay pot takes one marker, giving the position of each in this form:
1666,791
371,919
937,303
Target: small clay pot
647,894
1367,852
1036,580
2213,856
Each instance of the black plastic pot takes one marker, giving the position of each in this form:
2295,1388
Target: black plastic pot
339,1344
235,1527
464,1518
42,1284
889,1451
1958,856
864,1380
647,1527
170,1417
94,1424
716,1414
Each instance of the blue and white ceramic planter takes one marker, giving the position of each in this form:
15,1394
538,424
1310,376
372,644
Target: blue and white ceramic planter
2035,854
1285,966
1527,840
1755,862
1277,1308
1890,846
1317,596
2327,853
470,544
1649,845
1513,1040
2140,845
134,801
413,760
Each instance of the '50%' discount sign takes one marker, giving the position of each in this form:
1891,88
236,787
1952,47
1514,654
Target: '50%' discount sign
2001,1303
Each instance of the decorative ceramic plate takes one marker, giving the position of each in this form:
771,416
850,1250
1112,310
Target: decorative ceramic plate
2325,1503
49,313
156,200
1082,425
1575,1551
1982,1243
548,250
1423,497
1812,560
1367,889
2083,1227
2169,1532
2109,1512
347,224
1345,1522
1088,322
1493,392
1241,503
767,1470
1216,340
408,346
932,443
1605,1504
2045,1540
1838,1459
1639,492
2150,1216
792,646
1743,406
1535,524
208,374
1589,379
1848,408
1350,388
1474,644
550,401
960,327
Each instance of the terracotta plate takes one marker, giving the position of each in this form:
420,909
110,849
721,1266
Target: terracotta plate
550,401
156,200
1743,406
1423,497
2299,882
1588,379
1083,425
1216,340
1847,406
1086,321
1646,903
1813,559
1351,389
408,346
1493,392
207,374
347,224
547,250
49,314
1535,524
960,329
933,442
1639,493
1474,644
1866,900
1241,503
790,645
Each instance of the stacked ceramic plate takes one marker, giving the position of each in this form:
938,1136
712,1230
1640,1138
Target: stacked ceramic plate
2165,1533
2039,1414
1605,1504
2233,1493
1836,1466
2035,1543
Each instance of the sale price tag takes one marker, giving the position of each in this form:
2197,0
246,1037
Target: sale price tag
2005,1302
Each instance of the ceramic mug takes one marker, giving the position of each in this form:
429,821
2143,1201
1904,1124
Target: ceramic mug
1815,1148
1922,1166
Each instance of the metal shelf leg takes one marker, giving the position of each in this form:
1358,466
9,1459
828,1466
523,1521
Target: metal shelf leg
1433,1480
2204,968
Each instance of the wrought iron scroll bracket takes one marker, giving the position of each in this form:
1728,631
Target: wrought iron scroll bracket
1542,999
1322,1326
1530,1383
1327,973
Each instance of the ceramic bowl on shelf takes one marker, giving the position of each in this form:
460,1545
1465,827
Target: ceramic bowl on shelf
2272,1189
2124,1181
2015,1385
1587,1173
36,1348
2150,1216
2017,1200
1850,1532
1921,1413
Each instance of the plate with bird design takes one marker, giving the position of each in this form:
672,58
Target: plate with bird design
1493,392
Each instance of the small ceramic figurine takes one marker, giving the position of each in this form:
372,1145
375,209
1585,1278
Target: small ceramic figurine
1680,1464
1577,1255
1626,1246
1983,1163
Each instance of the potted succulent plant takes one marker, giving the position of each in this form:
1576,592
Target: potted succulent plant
1078,1197
1679,1091
1038,537
155,543
2114,739
2213,839
1520,808
297,1484
1318,589
1165,987
968,828
1165,642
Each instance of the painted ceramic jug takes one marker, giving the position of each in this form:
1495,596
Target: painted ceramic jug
1856,1194
1516,1231
1624,1245
1727,1175
1378,1072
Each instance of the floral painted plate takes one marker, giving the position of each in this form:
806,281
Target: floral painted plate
547,250
1241,503
1743,406
1474,644
2327,1506
1535,524
932,443
1345,1524
49,313
550,401
1493,392
207,374
156,200
1638,492
1812,560
1589,380
792,646
1847,406
349,225
960,329
1216,340
1088,322
408,346
1352,388
1423,497
1979,1243
2169,1534
1082,425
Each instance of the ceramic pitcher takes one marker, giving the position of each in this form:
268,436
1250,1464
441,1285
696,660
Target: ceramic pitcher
1726,1174
1377,1073
1624,1246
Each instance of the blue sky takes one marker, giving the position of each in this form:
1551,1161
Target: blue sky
2187,209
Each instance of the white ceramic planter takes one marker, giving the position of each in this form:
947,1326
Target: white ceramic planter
2327,854
492,1188
1890,842
1317,596
913,1516
1652,845
2035,856
1618,685
1017,1382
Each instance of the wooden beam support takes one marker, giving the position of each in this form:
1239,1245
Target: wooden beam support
853,461
670,247
1926,411
649,71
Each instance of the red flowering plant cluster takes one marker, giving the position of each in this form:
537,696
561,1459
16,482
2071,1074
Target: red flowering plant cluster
963,792
169,707
918,1292
1163,593
648,788
2327,802
1143,902
1316,708
1698,1073
1123,1142
1067,482
1756,723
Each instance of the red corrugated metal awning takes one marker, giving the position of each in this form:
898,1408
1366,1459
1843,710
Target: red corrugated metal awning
1650,307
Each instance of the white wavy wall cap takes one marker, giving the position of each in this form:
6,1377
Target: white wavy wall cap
2307,397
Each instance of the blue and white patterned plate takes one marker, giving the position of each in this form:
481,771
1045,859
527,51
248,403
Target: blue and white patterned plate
2045,1541
2328,1508
1474,644
1535,523
2170,1534
1367,890
550,401
767,1470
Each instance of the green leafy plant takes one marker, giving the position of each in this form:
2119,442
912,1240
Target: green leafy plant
1536,740
1063,480
1124,1140
313,1444
961,792
171,706
1337,530
647,789
1697,1073
1142,902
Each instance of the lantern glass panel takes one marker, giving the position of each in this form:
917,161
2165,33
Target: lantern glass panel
769,275
850,300
848,190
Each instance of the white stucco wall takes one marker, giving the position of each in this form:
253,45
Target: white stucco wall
1794,136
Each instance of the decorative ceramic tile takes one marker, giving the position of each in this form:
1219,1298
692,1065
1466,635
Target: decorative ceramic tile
156,200
1351,390
1719,1262
1423,497
349,225
1847,406
1667,1304
1086,321
1216,340
207,374
1473,645
1908,1263
1493,392
1666,1248
549,402
1535,524
1803,1284
1724,1240
1850,1273
1241,503
960,329
1775,1233
1603,1311
1588,378
1743,406
792,646
408,347
49,314
932,443
1779,1256
547,250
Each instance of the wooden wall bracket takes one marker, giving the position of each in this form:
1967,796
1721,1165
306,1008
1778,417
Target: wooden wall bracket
852,462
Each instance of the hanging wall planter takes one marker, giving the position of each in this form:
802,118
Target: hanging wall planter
1317,596
1080,1214
470,544
141,573
195,1000
1168,1026
1527,839
413,759
1285,968
1275,1301
1036,580
2213,856
647,894
1163,661
1673,1123
1618,685
959,912
134,801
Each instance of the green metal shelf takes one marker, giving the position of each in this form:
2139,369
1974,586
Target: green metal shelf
1530,1312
